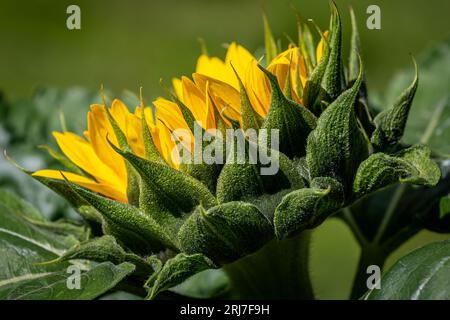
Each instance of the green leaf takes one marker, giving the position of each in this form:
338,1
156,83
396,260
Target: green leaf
17,224
308,207
424,274
27,241
391,123
412,165
293,121
175,271
226,232
337,145
19,206
53,285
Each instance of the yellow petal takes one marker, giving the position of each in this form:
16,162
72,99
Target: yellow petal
258,89
104,189
170,114
213,67
223,95
83,155
168,146
130,126
301,69
154,131
178,87
241,59
99,128
280,65
320,47
210,115
195,100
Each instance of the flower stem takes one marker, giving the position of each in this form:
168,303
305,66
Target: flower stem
277,271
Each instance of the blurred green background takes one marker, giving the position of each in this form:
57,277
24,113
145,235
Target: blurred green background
126,44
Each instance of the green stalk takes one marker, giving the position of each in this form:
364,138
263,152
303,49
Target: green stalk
280,270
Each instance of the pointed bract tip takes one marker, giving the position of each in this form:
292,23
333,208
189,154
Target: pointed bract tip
64,176
319,31
203,46
361,70
416,66
267,72
237,74
168,91
14,163
234,123
334,7
118,150
102,94
141,98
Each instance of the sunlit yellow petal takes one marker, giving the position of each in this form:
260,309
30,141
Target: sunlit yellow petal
130,126
178,87
104,189
258,89
167,145
241,59
224,95
320,47
80,152
99,128
212,67
195,100
170,113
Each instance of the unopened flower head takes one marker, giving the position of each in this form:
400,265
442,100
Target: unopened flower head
213,97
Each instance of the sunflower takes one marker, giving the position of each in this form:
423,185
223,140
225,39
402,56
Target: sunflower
212,95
